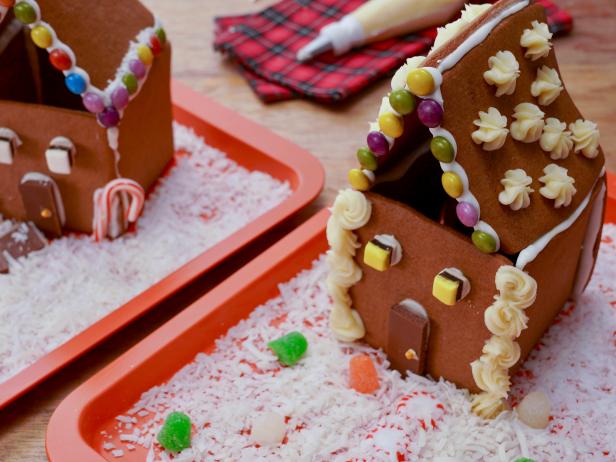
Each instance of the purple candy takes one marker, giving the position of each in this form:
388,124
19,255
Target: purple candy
378,143
110,117
93,103
430,113
120,97
137,67
467,214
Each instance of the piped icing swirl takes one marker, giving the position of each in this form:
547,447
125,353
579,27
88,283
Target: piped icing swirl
449,31
343,271
487,405
536,40
517,189
558,185
490,378
505,319
492,131
515,286
529,123
556,139
351,209
504,72
342,242
586,137
502,351
547,86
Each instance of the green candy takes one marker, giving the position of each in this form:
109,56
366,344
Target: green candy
442,149
25,12
524,459
175,434
484,242
402,101
161,34
367,159
130,82
290,348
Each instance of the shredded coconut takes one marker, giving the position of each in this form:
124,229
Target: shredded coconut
407,419
52,295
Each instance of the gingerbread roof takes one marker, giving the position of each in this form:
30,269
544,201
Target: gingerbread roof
461,92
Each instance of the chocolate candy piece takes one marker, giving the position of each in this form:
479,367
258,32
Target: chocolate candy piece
43,203
174,436
19,241
290,348
450,286
409,331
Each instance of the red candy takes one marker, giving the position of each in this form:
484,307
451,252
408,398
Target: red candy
155,45
60,60
363,377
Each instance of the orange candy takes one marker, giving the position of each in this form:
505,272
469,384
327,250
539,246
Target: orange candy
362,374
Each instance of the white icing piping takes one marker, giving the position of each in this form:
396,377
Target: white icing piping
477,37
592,234
532,251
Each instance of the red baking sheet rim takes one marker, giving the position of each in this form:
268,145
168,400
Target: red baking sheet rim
260,149
74,428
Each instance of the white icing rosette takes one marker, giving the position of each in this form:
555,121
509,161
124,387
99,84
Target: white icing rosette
487,405
504,319
346,324
339,239
547,86
529,123
351,209
558,185
492,131
556,139
536,40
515,286
586,137
491,378
504,352
517,189
504,72
343,271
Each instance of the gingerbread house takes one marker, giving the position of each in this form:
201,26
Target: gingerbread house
476,212
85,113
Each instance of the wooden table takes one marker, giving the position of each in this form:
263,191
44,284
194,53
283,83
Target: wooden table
588,64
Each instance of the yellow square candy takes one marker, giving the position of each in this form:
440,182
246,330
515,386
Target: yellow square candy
377,257
445,290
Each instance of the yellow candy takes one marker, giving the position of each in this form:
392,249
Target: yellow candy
391,125
376,257
145,54
41,36
445,290
420,82
452,184
358,180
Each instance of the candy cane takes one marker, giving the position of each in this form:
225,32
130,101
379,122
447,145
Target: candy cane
107,197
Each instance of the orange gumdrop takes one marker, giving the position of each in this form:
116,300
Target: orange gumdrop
362,374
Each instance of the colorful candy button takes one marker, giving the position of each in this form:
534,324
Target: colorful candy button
76,83
137,67
377,255
484,241
442,149
145,54
420,82
378,144
25,13
120,97
290,348
93,103
430,113
174,435
391,125
450,286
162,35
452,184
363,376
402,101
60,60
155,45
467,214
41,36
367,159
358,180
130,82
109,118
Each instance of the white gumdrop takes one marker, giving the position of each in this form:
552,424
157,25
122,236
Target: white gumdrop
268,428
534,409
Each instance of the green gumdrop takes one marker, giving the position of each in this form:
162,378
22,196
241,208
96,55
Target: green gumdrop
442,149
175,434
524,459
402,101
484,242
290,348
367,159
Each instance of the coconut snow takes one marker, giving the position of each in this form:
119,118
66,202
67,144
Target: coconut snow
407,419
52,295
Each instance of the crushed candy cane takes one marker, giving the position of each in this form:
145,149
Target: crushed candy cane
54,294
405,419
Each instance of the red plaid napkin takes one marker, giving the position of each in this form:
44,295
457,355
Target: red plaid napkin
265,45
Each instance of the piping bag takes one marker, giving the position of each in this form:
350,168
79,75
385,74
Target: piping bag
378,20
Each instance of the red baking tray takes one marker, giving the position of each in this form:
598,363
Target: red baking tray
74,430
251,146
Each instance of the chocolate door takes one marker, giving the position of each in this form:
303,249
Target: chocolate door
409,329
43,203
